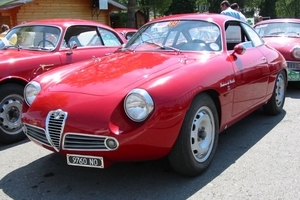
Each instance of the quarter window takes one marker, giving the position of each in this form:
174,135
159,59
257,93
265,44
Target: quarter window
253,36
109,38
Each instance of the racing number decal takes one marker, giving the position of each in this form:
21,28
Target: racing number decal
173,23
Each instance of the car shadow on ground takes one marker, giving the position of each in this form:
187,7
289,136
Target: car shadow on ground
293,90
7,146
51,178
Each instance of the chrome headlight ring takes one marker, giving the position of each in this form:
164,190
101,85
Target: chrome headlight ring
296,52
31,90
138,105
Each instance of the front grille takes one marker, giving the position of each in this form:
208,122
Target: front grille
293,65
52,136
36,133
55,123
84,142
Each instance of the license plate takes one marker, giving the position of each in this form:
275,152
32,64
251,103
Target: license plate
85,161
293,76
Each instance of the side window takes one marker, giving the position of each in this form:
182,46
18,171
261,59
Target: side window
129,35
233,36
89,38
81,36
252,35
109,38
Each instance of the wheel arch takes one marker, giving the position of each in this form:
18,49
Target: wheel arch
215,97
16,80
286,76
11,99
188,146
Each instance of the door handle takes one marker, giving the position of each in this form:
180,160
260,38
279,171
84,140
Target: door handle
44,66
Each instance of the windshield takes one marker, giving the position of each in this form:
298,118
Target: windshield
185,35
277,29
32,37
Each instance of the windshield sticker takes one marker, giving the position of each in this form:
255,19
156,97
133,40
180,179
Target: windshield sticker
173,23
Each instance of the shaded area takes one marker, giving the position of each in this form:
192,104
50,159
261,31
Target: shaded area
7,146
293,90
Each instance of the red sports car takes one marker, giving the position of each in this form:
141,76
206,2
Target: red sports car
163,94
35,47
284,35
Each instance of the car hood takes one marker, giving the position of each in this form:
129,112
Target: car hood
119,71
282,43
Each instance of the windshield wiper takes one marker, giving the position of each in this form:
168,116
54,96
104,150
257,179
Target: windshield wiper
277,33
123,49
159,45
39,48
173,48
13,46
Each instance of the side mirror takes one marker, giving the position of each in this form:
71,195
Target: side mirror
239,49
73,45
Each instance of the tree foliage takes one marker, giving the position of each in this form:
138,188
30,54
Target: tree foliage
181,6
131,13
266,8
157,7
288,8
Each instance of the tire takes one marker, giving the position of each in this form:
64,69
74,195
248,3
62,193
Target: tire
276,102
197,141
11,100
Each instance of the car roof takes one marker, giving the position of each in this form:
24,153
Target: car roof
278,20
125,29
63,22
214,17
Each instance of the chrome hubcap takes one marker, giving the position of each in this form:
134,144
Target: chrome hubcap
202,134
10,114
279,90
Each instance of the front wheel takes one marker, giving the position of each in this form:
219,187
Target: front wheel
275,104
11,100
197,141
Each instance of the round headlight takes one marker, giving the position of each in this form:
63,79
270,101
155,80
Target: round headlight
138,105
31,90
296,52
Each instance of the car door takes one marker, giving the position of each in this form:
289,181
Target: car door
37,52
251,68
86,42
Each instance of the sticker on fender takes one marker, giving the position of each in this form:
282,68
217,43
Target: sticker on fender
85,161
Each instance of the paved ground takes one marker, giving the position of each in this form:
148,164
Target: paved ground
258,158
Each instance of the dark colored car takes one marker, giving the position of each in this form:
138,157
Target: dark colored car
168,92
35,47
